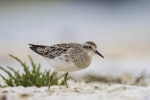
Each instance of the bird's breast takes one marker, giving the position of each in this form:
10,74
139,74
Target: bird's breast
62,64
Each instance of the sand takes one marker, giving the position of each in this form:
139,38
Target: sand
77,91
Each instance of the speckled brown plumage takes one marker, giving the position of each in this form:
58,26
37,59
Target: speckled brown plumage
75,54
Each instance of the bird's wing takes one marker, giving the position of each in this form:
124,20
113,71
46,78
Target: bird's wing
50,51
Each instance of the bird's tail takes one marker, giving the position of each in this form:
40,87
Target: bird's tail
40,49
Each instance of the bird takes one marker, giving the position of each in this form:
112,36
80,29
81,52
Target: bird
67,57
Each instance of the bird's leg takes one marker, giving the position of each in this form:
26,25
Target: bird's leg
51,79
65,79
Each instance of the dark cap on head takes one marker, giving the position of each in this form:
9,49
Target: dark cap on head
91,43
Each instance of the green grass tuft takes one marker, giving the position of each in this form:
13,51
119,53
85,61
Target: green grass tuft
33,77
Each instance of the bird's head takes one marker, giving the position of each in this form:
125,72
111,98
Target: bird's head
91,48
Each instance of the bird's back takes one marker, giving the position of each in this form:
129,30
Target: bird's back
54,50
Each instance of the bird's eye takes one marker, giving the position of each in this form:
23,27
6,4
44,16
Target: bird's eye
89,47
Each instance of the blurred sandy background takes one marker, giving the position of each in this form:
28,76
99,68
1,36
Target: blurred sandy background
120,28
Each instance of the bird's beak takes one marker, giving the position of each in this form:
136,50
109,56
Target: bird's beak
99,54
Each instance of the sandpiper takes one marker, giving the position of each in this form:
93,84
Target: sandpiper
67,57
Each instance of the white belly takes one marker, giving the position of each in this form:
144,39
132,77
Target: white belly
63,65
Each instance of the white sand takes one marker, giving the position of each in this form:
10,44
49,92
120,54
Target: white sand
77,91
